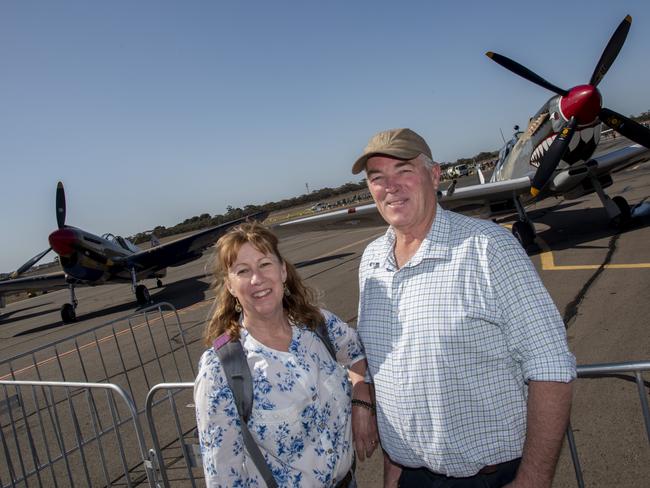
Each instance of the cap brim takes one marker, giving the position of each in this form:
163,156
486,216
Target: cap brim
403,154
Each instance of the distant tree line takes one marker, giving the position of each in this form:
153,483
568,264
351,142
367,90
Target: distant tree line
641,117
482,156
205,220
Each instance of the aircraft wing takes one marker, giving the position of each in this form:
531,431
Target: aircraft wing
619,159
50,281
468,198
602,164
347,217
183,250
483,194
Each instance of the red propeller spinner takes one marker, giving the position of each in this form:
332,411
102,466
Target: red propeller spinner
62,241
582,102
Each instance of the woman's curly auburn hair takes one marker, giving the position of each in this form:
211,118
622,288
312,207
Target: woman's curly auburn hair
299,305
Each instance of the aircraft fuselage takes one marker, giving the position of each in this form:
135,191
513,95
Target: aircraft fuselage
90,259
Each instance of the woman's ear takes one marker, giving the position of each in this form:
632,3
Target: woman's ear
283,273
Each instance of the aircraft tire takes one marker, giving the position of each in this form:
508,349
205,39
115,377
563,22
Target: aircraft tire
142,295
626,213
68,314
524,233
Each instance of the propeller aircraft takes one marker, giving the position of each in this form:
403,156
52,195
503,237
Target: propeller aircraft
553,156
89,260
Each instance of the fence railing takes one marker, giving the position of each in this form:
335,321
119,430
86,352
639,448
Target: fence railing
606,370
73,439
48,429
185,457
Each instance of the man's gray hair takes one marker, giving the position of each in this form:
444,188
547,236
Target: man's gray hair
428,162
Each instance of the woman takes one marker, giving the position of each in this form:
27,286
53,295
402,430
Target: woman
302,418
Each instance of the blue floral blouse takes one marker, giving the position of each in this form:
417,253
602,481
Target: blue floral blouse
301,415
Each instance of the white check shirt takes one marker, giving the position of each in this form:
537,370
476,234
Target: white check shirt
451,340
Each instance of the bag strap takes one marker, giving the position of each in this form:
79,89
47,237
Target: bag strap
238,374
321,332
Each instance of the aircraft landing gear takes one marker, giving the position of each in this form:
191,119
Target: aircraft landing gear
159,283
68,314
617,208
142,295
68,310
524,232
625,213
523,229
141,292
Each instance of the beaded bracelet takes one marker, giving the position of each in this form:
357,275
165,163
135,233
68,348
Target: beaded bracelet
368,405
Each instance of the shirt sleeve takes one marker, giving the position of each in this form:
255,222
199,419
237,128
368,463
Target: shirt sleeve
345,340
535,332
219,428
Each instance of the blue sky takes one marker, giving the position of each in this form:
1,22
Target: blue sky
153,112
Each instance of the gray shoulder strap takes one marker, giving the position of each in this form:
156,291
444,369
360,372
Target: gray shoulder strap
238,374
321,332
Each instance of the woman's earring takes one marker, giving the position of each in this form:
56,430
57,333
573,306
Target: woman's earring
238,308
287,292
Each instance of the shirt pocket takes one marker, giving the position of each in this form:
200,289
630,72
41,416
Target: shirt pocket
289,414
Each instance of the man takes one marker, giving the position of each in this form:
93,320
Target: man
466,349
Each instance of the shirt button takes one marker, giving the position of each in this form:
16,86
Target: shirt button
313,398
330,451
322,425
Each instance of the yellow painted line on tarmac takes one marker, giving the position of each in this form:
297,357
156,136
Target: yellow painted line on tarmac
548,262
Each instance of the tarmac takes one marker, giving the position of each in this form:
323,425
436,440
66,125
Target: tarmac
598,276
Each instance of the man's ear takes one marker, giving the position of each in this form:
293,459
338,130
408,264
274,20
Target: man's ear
435,175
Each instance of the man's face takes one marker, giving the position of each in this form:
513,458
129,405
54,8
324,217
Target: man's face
404,191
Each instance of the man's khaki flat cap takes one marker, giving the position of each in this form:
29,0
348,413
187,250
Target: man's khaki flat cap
397,143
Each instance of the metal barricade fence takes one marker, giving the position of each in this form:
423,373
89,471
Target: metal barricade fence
182,457
604,371
133,353
72,441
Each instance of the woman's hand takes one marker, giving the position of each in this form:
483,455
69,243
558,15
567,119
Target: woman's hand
364,420
364,431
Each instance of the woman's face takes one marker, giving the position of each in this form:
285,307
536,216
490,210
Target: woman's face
257,280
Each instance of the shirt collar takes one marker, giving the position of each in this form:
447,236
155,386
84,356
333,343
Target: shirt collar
434,246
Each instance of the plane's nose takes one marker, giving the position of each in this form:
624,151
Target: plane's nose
62,241
582,102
